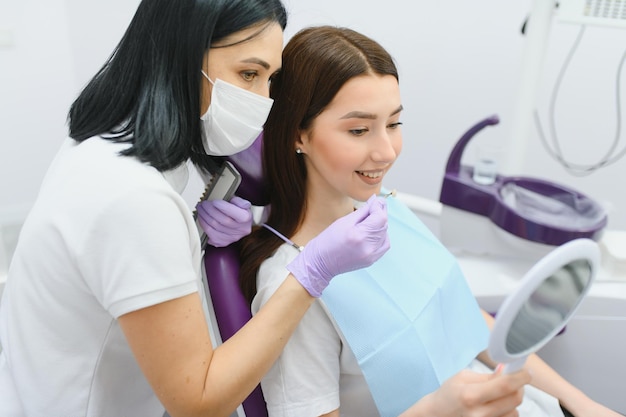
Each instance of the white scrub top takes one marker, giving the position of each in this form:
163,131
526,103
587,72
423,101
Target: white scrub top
107,235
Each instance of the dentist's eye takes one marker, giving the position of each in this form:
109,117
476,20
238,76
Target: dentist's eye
249,75
395,125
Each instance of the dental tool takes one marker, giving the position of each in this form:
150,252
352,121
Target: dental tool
392,193
221,186
283,237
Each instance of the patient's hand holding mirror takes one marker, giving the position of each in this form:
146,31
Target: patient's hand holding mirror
546,299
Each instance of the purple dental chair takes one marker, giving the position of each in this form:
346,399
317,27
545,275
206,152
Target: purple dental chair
222,266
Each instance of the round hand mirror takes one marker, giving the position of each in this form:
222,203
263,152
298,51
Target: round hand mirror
546,299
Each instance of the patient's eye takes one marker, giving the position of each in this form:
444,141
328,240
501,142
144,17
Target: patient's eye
358,132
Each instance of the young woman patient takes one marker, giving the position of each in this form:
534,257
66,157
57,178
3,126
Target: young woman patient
400,339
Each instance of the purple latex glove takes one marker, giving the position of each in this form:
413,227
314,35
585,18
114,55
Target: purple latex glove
225,222
352,242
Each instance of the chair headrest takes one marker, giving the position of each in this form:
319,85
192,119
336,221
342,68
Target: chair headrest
222,265
249,163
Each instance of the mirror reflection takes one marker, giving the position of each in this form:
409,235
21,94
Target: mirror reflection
549,306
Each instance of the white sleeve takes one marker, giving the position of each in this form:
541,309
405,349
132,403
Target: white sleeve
304,381
139,252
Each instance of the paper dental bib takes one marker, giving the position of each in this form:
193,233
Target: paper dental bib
410,318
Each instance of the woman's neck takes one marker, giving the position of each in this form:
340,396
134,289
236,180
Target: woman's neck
320,212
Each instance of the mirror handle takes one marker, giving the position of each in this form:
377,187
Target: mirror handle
514,366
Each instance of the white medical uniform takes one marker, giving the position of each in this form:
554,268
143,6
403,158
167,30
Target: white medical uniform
107,235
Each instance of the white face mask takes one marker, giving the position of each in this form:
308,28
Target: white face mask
235,118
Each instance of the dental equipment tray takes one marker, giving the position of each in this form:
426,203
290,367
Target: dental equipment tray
529,208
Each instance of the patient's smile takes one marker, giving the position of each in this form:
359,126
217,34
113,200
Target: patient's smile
373,174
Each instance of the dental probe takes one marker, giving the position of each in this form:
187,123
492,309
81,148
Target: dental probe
392,193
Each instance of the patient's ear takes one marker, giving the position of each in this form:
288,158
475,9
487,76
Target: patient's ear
301,142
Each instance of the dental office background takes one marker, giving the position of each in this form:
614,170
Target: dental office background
459,61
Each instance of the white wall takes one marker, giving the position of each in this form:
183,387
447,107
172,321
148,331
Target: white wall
51,48
36,86
459,62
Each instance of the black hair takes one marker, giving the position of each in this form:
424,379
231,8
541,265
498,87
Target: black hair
148,91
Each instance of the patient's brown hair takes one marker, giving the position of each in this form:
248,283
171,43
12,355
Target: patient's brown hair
317,62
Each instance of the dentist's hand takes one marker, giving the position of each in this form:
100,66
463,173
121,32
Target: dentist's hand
352,242
225,222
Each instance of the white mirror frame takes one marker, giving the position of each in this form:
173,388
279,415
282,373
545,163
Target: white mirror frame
585,249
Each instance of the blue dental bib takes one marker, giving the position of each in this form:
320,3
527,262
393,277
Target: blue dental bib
410,319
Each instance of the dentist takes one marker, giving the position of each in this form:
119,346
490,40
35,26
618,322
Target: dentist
102,314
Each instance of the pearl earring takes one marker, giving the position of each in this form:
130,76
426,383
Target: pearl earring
298,151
